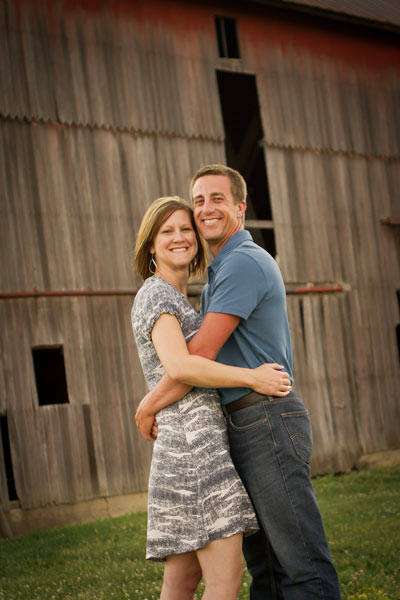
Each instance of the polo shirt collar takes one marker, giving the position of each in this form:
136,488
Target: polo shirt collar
238,238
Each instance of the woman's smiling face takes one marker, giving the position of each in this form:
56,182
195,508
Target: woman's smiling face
175,244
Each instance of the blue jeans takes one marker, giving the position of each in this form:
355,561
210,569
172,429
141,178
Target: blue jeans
289,559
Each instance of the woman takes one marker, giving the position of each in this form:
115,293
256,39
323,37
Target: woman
198,509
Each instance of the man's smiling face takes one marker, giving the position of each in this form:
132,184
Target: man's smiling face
216,214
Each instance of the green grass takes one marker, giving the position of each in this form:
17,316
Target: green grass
105,559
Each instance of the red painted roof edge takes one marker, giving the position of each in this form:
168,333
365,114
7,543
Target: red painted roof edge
334,9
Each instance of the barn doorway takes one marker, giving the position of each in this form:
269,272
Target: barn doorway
8,466
398,325
244,152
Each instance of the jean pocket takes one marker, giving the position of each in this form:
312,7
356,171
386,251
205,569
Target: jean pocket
248,417
298,426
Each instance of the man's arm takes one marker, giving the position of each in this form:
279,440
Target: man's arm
212,335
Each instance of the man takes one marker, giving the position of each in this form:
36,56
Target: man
245,324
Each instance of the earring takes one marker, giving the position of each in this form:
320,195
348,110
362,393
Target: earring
152,264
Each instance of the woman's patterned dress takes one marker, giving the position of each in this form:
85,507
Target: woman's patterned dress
195,494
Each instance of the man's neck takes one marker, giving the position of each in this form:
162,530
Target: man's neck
216,245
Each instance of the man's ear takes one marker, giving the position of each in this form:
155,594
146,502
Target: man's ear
242,207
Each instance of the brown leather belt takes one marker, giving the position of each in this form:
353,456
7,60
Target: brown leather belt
247,400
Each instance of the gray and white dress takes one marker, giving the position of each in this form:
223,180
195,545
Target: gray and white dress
195,494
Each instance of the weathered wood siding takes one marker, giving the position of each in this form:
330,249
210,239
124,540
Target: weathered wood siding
331,112
95,124
88,448
105,107
73,199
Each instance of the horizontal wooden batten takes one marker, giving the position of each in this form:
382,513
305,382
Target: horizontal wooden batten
193,290
88,292
256,224
316,289
390,221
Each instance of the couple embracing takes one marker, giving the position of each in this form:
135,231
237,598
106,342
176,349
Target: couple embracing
230,466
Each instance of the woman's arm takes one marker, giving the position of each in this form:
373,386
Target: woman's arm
213,333
183,367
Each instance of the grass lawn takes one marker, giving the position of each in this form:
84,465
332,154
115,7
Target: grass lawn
105,560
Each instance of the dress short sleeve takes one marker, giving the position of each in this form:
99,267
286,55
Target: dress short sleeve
157,297
152,300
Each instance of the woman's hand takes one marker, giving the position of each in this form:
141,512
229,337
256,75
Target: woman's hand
271,380
146,421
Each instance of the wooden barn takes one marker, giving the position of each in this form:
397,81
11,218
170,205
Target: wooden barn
106,105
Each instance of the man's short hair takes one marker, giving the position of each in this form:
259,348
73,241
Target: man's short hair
238,184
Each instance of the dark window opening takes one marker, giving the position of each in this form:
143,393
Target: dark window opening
227,36
5,440
51,382
243,134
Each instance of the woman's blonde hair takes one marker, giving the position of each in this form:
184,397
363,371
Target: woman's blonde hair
157,213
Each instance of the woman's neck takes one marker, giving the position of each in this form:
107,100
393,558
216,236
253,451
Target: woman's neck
179,279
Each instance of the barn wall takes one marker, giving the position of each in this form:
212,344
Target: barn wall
83,154
79,195
330,109
104,109
89,447
357,328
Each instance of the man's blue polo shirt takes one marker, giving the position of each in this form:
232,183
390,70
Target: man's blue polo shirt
244,280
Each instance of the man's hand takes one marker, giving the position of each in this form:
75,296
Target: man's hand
146,421
271,380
